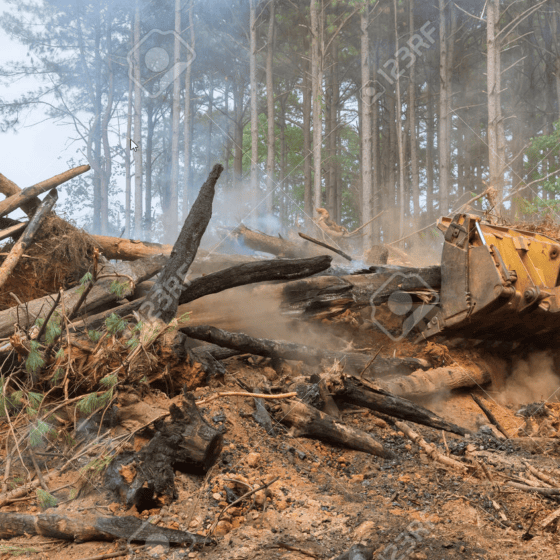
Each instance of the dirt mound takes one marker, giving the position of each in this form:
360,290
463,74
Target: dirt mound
59,256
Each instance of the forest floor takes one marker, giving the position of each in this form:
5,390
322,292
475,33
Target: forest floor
325,498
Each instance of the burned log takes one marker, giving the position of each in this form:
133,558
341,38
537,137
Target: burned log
91,528
327,296
184,442
310,422
251,273
243,274
28,195
350,390
163,299
291,351
27,238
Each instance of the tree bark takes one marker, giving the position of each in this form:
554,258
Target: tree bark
307,95
187,119
414,168
27,238
367,101
443,139
21,197
309,422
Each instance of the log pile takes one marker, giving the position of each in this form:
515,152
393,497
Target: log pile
115,324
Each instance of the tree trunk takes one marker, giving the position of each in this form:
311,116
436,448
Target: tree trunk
399,131
127,149
443,138
367,101
307,95
254,108
349,389
317,100
414,168
270,154
187,122
171,219
138,230
149,168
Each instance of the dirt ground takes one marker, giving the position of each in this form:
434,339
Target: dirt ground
322,499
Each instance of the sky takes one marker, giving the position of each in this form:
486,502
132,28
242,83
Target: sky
32,154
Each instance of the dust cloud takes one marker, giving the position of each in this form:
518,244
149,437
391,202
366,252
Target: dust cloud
533,379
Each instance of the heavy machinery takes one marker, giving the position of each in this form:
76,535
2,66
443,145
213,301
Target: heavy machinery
496,283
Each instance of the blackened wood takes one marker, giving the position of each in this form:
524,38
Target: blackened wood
183,442
163,299
21,245
310,422
90,528
352,361
351,390
250,273
20,198
327,296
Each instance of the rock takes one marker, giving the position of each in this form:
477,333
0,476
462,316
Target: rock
217,497
223,528
253,460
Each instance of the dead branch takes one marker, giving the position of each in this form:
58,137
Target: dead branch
488,413
326,245
16,200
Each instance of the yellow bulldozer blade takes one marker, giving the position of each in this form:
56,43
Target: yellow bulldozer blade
496,282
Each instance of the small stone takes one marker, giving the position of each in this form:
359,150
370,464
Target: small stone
253,460
223,528
217,496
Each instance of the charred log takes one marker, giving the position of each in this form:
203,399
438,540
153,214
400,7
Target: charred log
309,422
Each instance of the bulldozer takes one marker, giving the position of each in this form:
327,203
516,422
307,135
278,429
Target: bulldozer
496,283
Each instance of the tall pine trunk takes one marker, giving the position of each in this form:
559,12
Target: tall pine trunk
254,108
137,130
187,120
317,99
443,128
270,155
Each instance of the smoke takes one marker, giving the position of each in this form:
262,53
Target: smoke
533,379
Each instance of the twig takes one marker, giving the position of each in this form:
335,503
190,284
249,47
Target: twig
47,318
38,471
122,552
489,415
88,288
241,394
369,363
544,491
325,245
542,476
364,225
